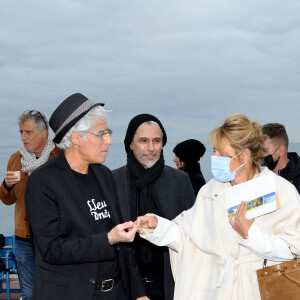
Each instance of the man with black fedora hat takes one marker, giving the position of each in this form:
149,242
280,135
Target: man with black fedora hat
146,185
74,213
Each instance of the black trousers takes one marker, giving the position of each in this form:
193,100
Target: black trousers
117,293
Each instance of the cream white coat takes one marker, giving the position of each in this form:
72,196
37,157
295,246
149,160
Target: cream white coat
210,261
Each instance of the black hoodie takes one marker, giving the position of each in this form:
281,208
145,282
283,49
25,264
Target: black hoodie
291,171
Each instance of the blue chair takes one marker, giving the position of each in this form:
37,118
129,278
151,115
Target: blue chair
8,256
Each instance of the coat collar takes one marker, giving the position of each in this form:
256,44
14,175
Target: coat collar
61,161
215,190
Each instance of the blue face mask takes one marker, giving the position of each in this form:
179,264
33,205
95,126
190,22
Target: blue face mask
220,168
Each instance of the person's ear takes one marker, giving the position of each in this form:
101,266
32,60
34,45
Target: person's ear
76,138
131,146
281,150
246,154
44,133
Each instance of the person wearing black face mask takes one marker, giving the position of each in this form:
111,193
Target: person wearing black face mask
269,162
277,158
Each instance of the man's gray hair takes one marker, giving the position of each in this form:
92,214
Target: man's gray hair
150,123
153,122
37,117
84,124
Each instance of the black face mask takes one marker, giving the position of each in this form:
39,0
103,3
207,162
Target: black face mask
269,162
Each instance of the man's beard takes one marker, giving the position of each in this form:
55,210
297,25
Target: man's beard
148,165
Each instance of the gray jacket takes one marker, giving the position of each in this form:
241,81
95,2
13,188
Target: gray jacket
175,193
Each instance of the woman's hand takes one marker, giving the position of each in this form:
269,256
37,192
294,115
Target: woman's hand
121,233
241,224
146,222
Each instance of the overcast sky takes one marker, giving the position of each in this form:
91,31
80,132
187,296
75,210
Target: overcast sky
190,63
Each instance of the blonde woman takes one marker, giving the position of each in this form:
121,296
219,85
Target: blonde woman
214,257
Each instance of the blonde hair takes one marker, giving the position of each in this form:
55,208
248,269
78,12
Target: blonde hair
242,134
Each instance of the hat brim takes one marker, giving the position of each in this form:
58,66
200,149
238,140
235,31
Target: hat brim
58,137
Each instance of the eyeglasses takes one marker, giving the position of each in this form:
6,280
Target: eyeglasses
104,133
34,113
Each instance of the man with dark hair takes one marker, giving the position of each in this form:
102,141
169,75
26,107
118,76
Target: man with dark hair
147,185
277,158
36,149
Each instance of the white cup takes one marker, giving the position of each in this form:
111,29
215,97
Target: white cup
18,174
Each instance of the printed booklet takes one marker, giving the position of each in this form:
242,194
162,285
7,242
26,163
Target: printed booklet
260,194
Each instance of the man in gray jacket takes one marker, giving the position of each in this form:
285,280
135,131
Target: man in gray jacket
146,185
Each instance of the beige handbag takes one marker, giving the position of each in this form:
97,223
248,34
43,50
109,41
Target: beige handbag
280,282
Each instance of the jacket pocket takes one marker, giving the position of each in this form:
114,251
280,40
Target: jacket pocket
53,277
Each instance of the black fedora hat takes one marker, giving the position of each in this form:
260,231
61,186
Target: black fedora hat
68,113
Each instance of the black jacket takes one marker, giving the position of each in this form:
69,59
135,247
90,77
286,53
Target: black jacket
67,242
175,195
291,172
196,177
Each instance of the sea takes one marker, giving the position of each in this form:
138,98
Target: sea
116,158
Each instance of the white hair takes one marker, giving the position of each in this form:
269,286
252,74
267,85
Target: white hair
84,124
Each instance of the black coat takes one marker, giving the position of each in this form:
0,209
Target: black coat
175,194
67,242
196,177
291,172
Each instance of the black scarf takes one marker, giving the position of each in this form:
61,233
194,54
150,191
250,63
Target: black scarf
143,185
144,200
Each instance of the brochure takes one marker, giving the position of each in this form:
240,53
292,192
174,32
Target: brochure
259,193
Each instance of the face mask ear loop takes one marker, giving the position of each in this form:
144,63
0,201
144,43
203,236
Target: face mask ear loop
275,151
235,155
240,165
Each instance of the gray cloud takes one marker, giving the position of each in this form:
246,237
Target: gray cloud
190,63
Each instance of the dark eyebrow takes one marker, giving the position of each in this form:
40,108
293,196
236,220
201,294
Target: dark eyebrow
25,130
146,138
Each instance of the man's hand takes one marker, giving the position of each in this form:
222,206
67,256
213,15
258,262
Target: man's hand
241,224
122,233
143,298
146,222
10,179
